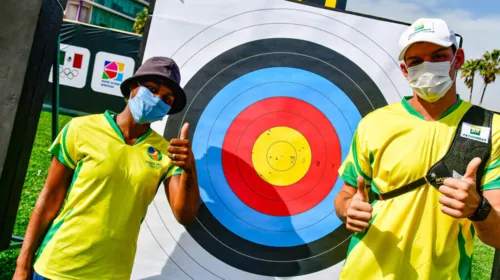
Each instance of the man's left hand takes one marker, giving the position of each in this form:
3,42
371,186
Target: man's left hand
180,152
460,198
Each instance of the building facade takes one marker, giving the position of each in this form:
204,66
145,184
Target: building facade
117,14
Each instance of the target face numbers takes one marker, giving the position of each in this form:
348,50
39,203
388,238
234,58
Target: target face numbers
271,120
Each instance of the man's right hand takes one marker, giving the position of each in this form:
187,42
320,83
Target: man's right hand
359,211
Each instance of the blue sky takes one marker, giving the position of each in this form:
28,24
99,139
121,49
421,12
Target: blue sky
477,21
479,8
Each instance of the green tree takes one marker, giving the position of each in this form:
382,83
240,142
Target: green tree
140,21
489,68
469,70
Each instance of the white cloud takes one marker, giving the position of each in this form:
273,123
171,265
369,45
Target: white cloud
480,34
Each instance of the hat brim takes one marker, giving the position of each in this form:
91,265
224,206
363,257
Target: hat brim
438,42
179,94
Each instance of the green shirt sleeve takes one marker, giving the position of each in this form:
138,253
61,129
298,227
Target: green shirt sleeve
64,147
491,176
173,170
358,161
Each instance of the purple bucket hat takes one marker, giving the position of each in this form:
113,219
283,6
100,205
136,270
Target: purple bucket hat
167,70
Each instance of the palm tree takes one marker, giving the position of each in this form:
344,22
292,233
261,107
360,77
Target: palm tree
140,21
489,68
469,70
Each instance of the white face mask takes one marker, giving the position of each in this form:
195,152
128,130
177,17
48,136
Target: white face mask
431,80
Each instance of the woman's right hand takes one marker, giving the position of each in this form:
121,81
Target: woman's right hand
23,273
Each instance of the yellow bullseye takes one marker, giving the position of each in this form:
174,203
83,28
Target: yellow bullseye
281,156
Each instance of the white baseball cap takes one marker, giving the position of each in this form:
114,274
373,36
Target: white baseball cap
430,30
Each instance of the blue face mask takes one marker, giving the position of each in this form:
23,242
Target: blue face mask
147,108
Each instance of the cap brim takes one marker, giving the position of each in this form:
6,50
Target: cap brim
179,94
438,42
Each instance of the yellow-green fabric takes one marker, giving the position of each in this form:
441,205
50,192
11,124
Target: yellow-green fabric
409,237
95,234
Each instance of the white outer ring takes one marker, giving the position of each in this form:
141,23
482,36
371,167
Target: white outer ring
188,258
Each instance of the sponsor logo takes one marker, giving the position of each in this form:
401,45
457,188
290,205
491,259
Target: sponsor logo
110,70
474,132
113,70
422,27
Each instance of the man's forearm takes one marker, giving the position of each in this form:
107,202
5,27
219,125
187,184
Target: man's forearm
489,230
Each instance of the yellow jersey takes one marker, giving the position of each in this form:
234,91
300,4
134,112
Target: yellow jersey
94,236
409,237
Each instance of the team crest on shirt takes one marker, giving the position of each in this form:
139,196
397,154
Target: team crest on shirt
156,156
154,153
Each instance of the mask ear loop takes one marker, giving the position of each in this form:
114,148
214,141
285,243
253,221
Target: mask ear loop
138,85
451,64
459,47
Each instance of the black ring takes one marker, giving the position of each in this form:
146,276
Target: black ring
206,83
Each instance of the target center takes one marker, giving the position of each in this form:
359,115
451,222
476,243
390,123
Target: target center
281,156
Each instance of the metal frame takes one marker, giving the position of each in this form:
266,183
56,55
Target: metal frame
17,242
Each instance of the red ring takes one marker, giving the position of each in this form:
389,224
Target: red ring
231,152
252,178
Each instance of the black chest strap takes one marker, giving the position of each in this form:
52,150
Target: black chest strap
470,141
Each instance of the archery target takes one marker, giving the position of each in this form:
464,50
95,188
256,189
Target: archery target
275,92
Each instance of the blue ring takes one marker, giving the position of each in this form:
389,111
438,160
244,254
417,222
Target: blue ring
216,119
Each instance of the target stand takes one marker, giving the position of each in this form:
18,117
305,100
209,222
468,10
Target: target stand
275,91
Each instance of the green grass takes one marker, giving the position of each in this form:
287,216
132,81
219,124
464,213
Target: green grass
37,172
482,261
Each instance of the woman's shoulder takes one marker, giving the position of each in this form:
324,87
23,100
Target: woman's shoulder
158,141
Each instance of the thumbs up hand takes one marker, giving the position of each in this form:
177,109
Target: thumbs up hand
180,152
359,211
460,198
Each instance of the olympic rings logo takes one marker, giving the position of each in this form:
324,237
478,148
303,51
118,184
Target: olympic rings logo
68,73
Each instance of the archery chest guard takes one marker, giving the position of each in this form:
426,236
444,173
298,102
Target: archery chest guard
472,139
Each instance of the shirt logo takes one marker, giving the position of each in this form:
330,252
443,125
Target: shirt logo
156,156
475,132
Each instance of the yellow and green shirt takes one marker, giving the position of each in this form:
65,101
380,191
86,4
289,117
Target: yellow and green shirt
94,236
409,237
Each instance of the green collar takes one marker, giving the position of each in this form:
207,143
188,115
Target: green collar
109,116
415,113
